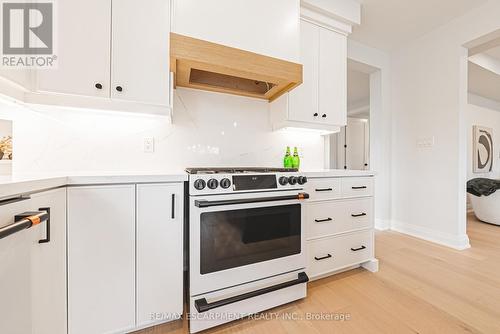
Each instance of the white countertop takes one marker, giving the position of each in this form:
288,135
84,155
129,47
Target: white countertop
21,184
337,173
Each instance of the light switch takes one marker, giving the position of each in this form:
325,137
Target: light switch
425,142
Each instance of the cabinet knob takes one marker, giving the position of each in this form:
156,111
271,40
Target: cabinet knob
324,115
119,88
315,114
98,86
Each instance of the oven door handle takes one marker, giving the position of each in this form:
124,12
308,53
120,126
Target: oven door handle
203,306
206,204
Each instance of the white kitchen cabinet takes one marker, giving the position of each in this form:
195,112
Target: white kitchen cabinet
83,52
140,51
340,225
332,94
101,259
119,59
265,27
304,99
33,275
320,102
159,253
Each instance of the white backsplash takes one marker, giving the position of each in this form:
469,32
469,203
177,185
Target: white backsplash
209,129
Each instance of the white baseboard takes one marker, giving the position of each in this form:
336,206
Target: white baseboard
425,233
382,224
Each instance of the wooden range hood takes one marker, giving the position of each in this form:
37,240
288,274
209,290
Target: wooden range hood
209,66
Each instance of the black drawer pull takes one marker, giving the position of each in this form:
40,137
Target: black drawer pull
357,188
358,249
323,258
203,306
323,220
324,189
359,215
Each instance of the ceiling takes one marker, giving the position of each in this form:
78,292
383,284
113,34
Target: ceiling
387,24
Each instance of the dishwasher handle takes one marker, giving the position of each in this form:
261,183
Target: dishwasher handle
27,220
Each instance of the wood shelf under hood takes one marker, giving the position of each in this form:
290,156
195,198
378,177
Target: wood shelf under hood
209,66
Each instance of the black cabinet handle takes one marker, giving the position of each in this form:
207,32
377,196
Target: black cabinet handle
324,115
315,114
323,220
362,187
323,258
47,227
324,189
358,249
203,306
119,88
173,206
359,215
98,86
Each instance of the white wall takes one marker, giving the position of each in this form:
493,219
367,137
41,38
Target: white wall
380,126
477,115
209,129
429,90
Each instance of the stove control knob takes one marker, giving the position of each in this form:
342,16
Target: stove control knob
213,183
283,180
225,183
302,180
292,180
199,184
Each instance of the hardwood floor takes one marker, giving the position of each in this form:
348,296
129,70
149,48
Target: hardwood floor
420,288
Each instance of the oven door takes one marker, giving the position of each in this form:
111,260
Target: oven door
240,238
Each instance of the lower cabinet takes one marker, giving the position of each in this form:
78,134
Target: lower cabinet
33,274
340,225
159,253
124,257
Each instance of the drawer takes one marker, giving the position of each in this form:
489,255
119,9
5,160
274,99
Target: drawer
357,186
324,188
332,217
335,253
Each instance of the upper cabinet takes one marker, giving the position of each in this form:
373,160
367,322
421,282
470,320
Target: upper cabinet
84,53
269,28
117,60
140,51
321,101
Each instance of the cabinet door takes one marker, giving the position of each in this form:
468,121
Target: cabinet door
140,51
332,77
159,253
48,265
83,49
101,259
303,105
32,274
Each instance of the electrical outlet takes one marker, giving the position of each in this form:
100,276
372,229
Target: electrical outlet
149,144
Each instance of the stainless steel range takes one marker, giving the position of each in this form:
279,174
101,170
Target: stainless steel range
246,242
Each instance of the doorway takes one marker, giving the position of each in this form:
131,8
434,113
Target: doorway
350,148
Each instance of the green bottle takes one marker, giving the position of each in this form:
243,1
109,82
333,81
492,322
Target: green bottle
295,158
287,160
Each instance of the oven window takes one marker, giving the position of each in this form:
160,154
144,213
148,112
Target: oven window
236,238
